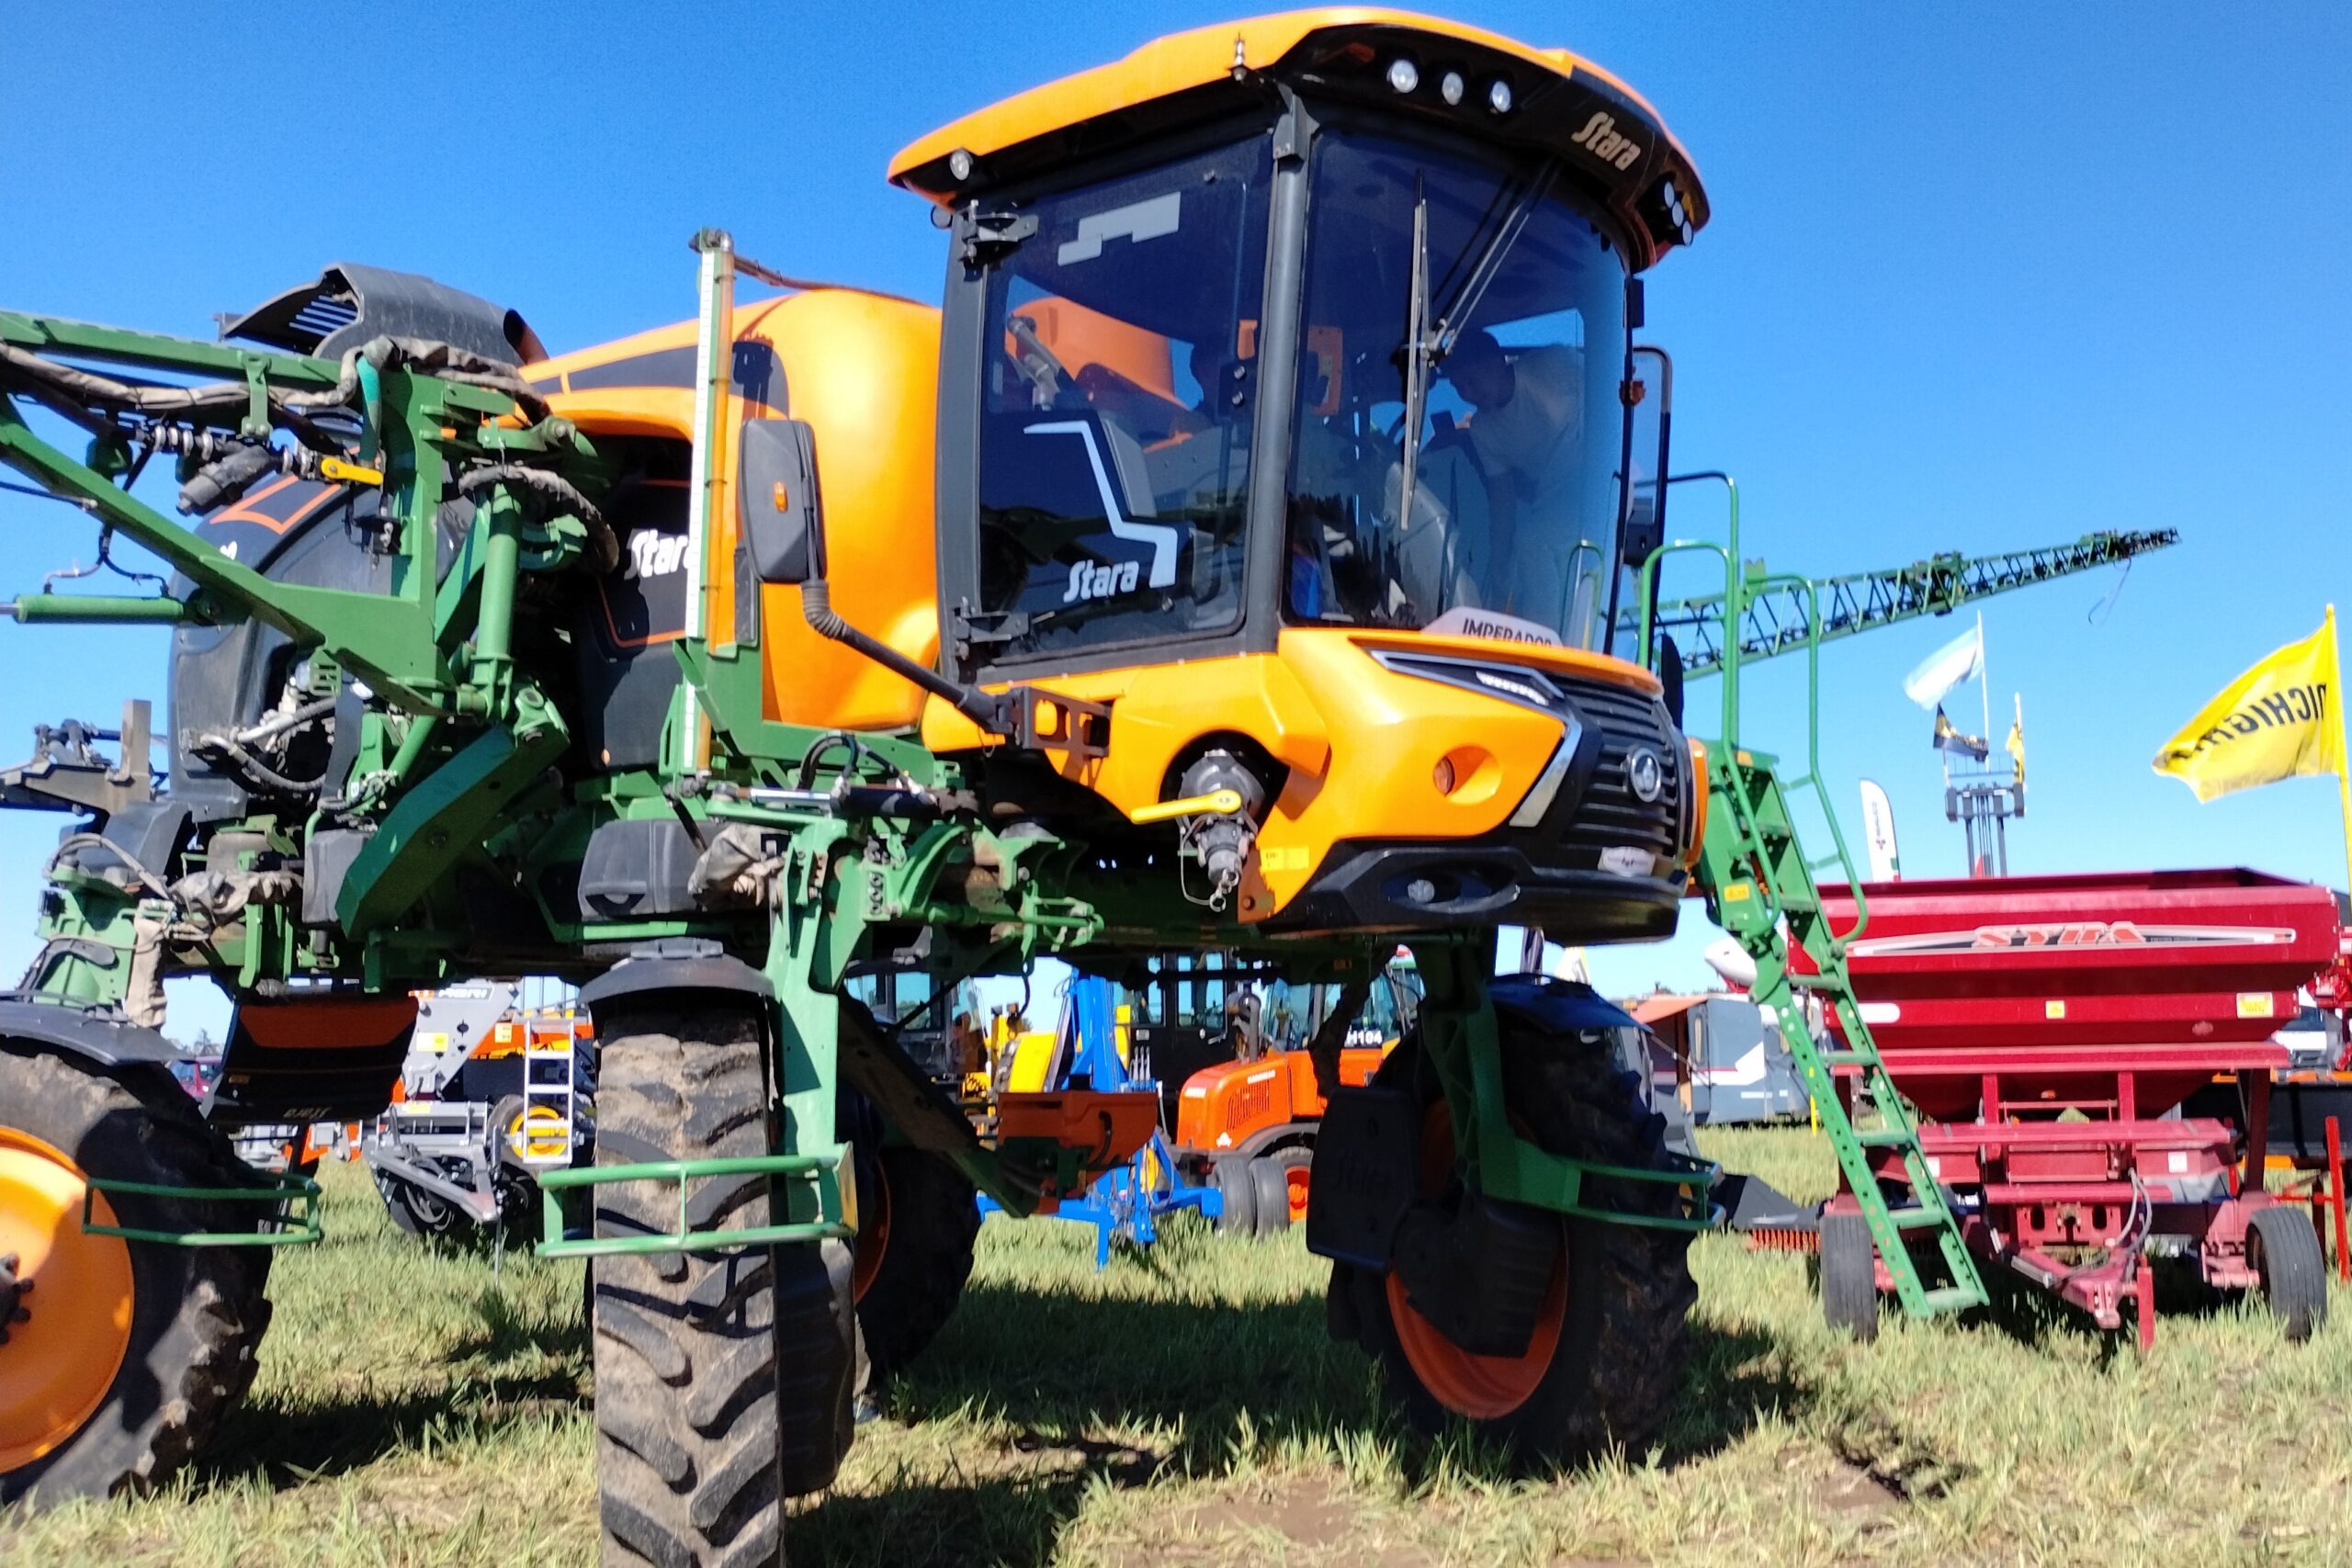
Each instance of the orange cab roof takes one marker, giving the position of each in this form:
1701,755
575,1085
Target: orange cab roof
1557,95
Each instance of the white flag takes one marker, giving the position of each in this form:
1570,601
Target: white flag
1878,833
1963,658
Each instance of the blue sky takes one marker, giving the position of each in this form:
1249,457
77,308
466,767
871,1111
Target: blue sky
1978,278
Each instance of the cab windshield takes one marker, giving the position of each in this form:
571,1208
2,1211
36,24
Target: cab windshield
1513,494
1118,390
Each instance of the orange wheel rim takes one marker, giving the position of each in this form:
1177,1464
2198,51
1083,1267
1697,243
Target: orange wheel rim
872,1237
1482,1388
1294,1186
57,1366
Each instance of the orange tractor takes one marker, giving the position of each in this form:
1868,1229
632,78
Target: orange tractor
1248,1126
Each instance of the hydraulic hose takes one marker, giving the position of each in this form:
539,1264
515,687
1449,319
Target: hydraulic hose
817,605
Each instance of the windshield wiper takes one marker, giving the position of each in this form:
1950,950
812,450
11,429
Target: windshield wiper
1426,346
1419,361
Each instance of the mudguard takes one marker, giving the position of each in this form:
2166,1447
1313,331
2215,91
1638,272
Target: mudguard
107,1040
674,964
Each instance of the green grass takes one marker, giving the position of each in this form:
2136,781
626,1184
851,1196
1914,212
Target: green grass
1185,1407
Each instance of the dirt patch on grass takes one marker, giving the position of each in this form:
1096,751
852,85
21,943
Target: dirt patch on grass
1854,1493
1306,1521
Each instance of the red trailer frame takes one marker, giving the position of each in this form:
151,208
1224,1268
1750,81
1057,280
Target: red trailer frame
2045,1027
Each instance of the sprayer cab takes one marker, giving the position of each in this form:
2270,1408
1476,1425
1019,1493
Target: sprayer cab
1304,342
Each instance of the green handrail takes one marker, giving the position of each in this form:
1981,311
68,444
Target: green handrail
1743,585
824,1173
285,1190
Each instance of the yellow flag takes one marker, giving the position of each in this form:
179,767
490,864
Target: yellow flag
2277,721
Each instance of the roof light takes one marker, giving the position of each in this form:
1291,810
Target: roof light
1498,97
1449,87
1678,217
959,163
1403,75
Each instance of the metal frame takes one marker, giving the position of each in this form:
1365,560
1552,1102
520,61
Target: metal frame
834,1198
296,1199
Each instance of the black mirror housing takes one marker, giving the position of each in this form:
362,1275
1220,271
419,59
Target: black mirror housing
1669,679
779,508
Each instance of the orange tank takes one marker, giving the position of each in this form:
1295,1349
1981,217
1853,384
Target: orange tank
863,370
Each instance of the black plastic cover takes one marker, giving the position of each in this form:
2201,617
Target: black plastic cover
326,861
633,870
351,303
1367,1160
148,831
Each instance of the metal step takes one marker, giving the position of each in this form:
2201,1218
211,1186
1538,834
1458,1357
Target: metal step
1950,1298
1748,823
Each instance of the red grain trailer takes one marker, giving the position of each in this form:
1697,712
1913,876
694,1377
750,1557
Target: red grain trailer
2048,1030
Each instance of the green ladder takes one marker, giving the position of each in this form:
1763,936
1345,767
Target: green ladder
1756,876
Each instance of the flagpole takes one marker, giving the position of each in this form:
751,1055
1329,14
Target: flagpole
2343,758
1983,676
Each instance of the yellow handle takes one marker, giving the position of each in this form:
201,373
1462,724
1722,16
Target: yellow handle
335,468
1217,802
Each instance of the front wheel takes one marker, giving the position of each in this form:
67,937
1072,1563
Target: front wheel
722,1379
121,1360
1608,1346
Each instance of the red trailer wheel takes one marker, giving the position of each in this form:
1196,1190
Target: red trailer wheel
2284,1250
1849,1275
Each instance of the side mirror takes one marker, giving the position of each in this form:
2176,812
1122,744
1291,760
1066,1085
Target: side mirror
1649,438
778,507
1669,679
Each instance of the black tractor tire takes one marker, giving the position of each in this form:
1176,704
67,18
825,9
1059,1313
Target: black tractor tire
1608,1379
917,1226
1849,1275
197,1314
2284,1250
1270,1177
415,1211
1236,1190
722,1379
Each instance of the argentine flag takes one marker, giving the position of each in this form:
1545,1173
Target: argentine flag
1963,658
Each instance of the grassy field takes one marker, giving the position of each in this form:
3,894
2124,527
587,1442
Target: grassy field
1185,1407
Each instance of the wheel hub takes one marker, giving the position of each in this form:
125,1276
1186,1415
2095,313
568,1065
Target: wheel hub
57,1363
13,1292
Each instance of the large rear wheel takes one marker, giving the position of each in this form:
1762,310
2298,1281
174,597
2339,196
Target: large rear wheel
722,1379
918,1219
123,1357
1608,1344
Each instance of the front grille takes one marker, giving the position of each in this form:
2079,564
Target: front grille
1604,813
1607,813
